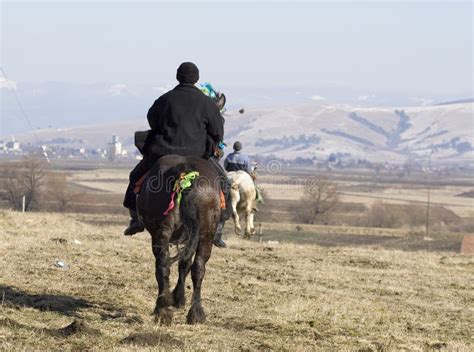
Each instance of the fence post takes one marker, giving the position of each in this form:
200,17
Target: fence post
23,204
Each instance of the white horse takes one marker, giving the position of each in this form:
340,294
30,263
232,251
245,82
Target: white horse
243,195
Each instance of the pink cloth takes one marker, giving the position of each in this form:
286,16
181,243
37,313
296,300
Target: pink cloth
171,205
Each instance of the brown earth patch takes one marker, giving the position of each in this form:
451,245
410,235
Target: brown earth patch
152,339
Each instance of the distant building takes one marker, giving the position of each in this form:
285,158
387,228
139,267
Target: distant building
114,148
12,146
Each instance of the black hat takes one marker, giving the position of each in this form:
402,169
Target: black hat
187,73
237,146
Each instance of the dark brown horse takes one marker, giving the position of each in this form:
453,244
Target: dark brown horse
191,225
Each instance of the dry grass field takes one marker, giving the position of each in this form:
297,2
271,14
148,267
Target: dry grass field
289,297
368,193
283,187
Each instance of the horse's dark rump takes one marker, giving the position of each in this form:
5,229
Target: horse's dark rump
156,194
157,188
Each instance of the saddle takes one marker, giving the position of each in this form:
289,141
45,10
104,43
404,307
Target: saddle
138,185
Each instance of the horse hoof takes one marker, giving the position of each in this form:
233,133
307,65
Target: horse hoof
179,300
196,315
164,316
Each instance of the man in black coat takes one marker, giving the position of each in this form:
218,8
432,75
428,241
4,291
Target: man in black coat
183,121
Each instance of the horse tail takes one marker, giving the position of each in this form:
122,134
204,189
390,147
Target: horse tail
194,199
189,218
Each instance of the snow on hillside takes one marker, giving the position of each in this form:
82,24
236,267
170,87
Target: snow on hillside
316,131
377,134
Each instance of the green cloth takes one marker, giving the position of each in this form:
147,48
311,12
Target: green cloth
184,182
258,196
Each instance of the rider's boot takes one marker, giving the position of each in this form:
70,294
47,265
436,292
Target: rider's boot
218,241
135,225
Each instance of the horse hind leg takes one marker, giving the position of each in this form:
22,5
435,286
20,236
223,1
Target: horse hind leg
196,313
236,218
178,294
249,227
235,214
251,223
163,313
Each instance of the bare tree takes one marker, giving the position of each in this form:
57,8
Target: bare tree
22,179
57,195
319,198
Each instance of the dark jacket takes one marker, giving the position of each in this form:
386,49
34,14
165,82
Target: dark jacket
185,122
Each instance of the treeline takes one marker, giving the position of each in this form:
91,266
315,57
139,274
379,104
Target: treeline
31,185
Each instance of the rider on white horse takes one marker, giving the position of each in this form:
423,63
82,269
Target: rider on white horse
237,161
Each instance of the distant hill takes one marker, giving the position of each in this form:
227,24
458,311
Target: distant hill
375,134
318,131
460,101
66,104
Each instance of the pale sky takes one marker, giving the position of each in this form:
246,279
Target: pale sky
416,47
